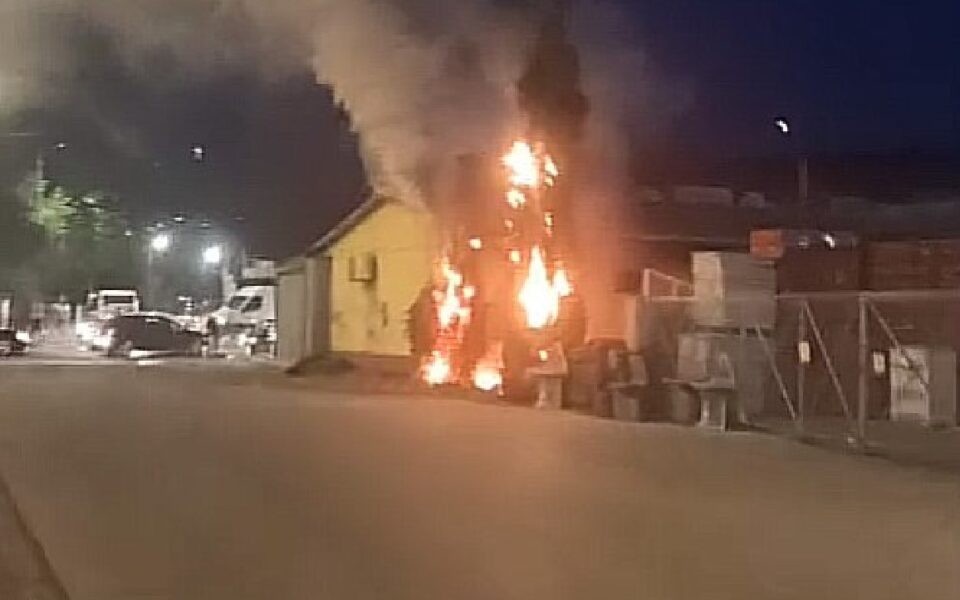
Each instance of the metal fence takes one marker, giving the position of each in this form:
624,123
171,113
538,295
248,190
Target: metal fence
832,364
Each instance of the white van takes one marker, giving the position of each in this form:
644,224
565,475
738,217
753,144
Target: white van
249,306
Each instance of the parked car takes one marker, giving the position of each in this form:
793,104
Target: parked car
13,342
151,334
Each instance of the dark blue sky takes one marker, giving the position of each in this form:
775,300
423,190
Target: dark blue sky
852,76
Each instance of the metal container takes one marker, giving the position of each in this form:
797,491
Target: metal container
819,271
920,264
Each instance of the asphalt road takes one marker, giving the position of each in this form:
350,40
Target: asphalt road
171,482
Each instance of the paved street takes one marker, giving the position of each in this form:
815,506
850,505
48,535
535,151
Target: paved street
166,482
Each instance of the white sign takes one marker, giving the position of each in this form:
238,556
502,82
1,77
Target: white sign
803,352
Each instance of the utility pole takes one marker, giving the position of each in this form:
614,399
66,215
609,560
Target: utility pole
803,180
803,172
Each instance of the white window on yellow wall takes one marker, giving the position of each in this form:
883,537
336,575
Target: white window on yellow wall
362,267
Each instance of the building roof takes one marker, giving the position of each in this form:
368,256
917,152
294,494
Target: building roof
291,266
356,216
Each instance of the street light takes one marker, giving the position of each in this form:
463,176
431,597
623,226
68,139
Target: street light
212,255
160,242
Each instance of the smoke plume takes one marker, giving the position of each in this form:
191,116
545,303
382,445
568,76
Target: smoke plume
423,81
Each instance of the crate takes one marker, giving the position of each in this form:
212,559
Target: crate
733,290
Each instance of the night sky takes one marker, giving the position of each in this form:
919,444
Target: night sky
852,77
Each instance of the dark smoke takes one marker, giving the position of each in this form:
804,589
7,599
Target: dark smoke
551,94
424,81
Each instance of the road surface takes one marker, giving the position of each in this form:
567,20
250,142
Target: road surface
168,482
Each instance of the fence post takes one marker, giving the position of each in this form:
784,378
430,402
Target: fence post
864,381
801,365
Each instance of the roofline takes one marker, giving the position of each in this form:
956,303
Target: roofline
354,218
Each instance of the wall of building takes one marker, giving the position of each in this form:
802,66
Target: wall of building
371,316
291,316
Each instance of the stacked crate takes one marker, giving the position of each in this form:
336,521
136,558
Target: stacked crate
733,291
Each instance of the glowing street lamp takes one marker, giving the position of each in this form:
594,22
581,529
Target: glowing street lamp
160,242
212,255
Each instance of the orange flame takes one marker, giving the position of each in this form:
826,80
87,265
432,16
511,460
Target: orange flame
487,375
528,168
538,297
437,371
450,307
561,282
524,165
453,312
516,198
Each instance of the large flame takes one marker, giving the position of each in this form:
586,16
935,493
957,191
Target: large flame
524,166
437,370
453,311
530,174
538,297
451,307
488,372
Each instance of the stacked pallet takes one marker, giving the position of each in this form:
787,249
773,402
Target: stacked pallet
733,290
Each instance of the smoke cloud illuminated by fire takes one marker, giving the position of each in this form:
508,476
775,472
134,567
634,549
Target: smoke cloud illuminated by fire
423,81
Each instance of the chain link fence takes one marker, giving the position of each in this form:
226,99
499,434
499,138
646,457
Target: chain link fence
839,366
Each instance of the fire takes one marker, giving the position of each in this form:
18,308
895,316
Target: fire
486,378
538,296
437,371
528,243
453,311
450,308
516,198
550,167
529,169
552,172
561,282
487,375
524,166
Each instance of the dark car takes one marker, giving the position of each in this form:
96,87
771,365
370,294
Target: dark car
151,334
12,343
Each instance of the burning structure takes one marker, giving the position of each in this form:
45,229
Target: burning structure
521,272
500,180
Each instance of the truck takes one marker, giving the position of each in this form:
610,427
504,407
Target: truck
248,316
100,307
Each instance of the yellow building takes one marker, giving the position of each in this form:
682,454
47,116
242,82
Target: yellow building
375,262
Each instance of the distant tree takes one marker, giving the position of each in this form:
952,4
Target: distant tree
88,248
51,211
68,243
20,239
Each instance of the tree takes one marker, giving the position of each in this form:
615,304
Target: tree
88,247
78,241
20,239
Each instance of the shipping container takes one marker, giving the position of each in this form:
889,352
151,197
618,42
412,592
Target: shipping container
921,264
819,271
